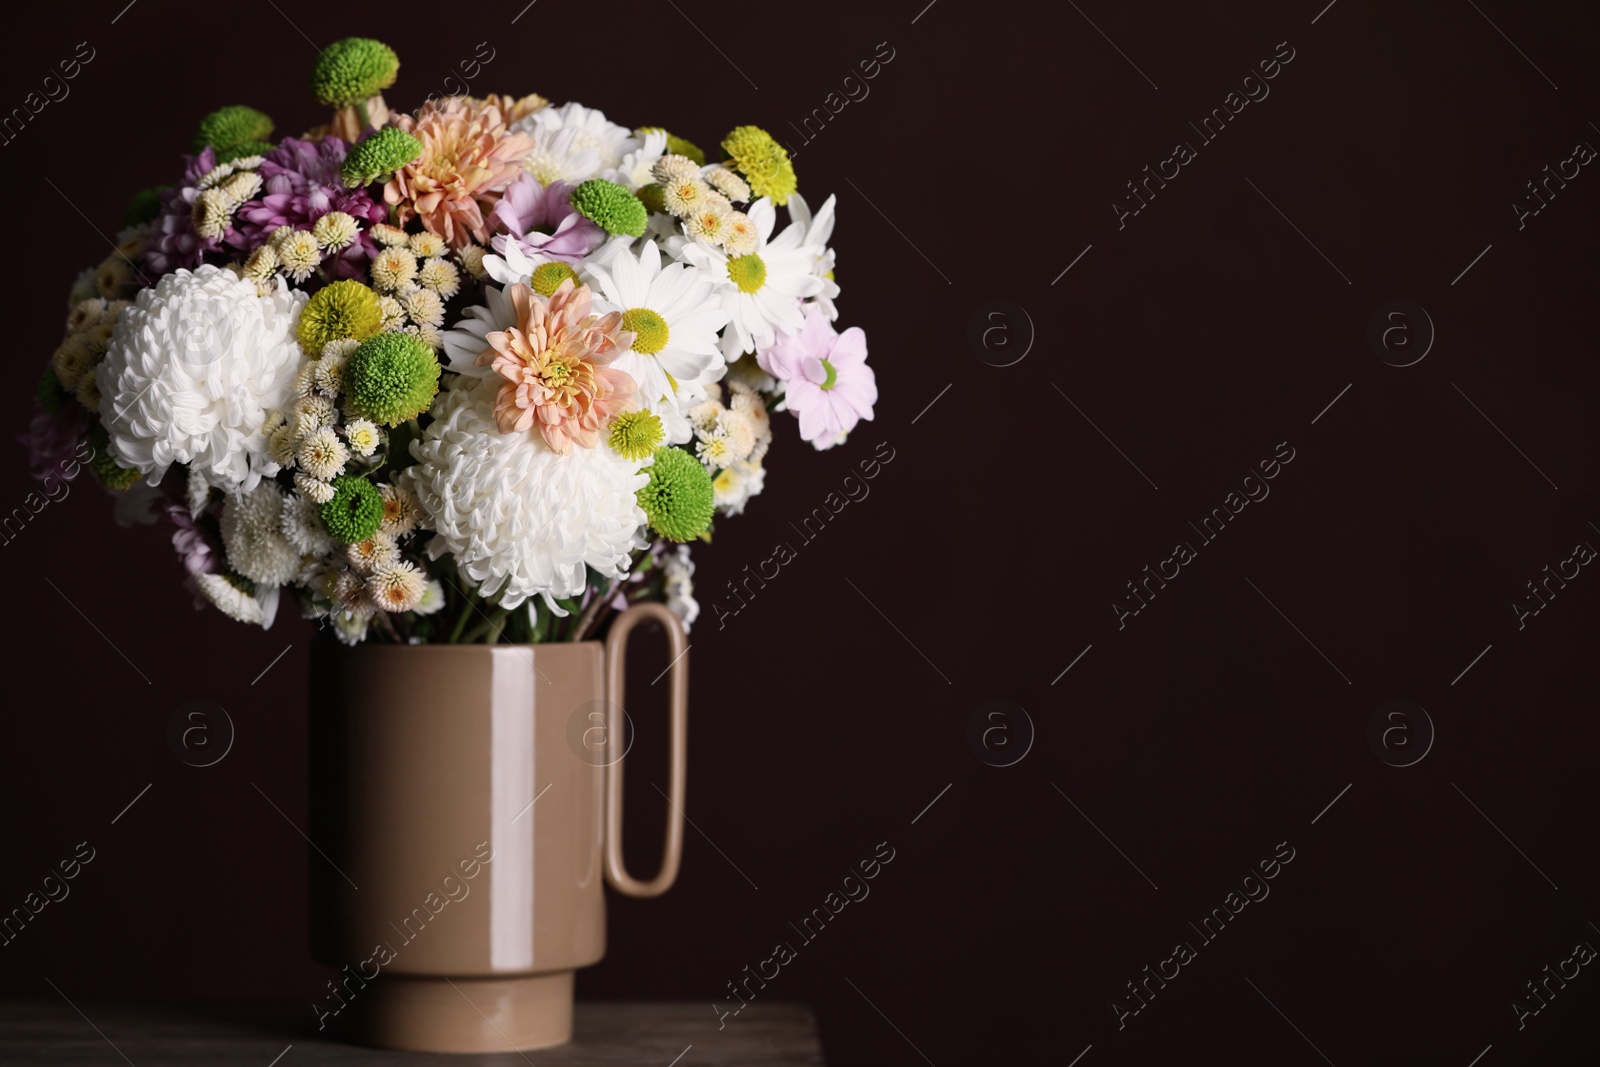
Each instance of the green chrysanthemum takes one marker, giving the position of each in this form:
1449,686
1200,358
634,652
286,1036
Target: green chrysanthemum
356,510
52,394
762,161
145,206
230,126
635,434
351,70
679,146
678,500
383,153
392,377
245,148
344,310
547,277
653,198
110,473
610,206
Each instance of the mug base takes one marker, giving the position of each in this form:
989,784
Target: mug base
436,1014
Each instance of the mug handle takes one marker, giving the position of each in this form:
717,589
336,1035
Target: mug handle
616,659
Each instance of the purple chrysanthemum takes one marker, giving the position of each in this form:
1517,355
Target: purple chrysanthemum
173,242
300,184
540,220
53,437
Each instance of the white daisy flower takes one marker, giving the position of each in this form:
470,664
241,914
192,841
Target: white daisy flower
635,170
574,143
815,231
674,316
762,290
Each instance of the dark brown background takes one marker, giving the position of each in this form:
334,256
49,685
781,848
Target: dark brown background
1197,338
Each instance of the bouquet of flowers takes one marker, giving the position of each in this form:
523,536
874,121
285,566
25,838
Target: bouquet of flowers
479,372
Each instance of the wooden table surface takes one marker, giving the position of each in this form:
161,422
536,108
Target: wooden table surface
167,1034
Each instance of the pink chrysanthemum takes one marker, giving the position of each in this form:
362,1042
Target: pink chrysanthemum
555,362
468,158
827,382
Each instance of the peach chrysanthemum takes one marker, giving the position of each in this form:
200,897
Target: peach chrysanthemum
555,365
468,157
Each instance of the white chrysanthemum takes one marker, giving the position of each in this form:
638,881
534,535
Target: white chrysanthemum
397,586
318,492
237,604
367,556
328,375
196,494
195,368
682,196
393,268
281,446
705,415
394,316
213,213
573,143
740,236
762,290
300,254
261,265
441,276
362,435
727,183
335,230
301,526
322,455
252,535
472,259
312,413
426,244
815,230
401,510
423,306
389,236
350,628
741,431
519,519
672,168
675,316
678,571
734,486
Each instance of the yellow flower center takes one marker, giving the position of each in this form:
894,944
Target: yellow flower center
832,376
649,330
547,277
749,273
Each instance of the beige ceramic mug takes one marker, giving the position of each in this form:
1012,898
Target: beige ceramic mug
466,805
